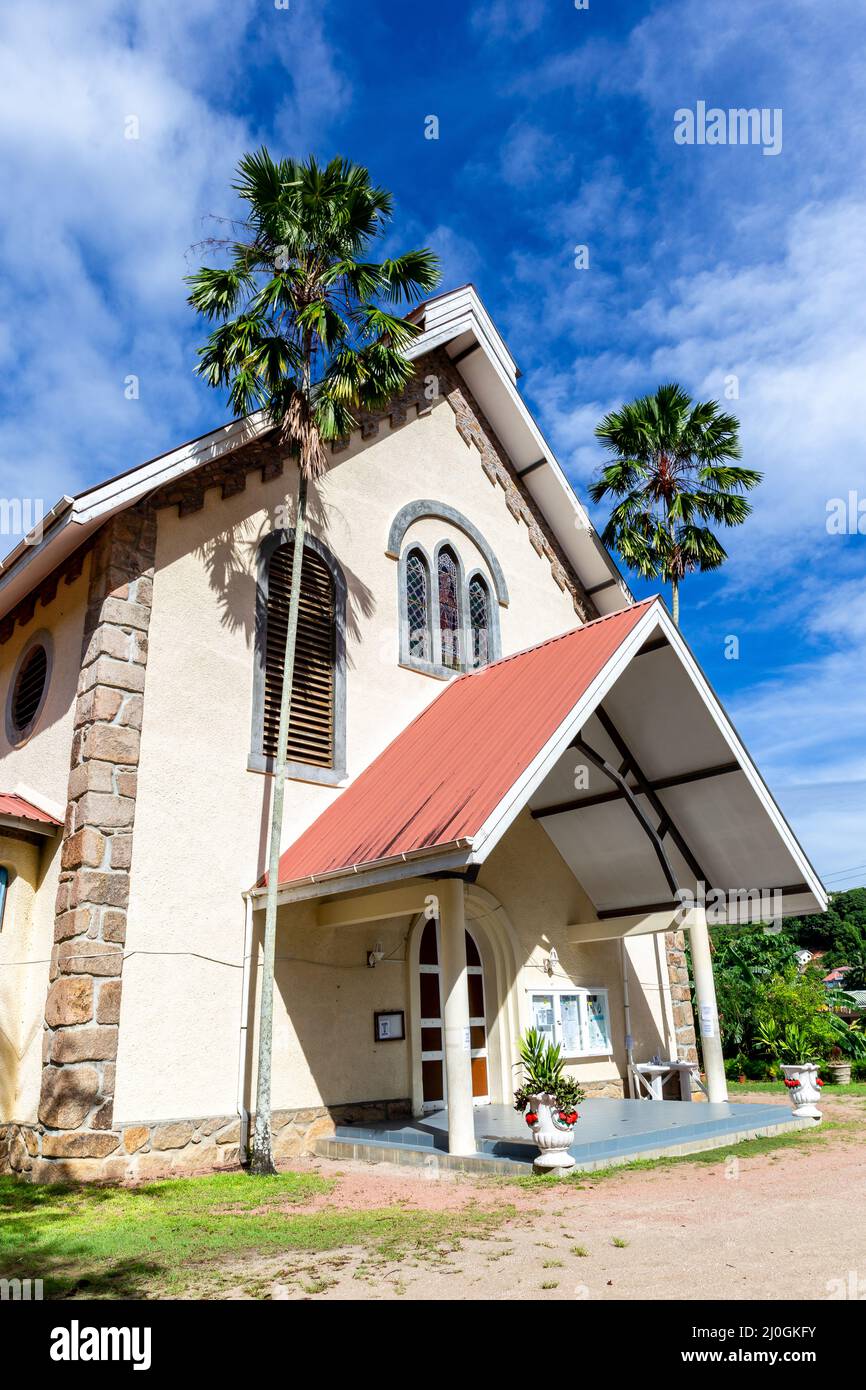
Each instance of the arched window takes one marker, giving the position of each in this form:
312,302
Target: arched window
312,724
449,607
418,607
479,622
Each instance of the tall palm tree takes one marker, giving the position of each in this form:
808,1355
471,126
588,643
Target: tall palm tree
672,469
307,332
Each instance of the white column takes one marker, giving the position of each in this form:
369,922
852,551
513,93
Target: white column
455,1016
708,1014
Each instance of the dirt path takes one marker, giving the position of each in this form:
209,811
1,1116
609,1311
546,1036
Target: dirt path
777,1225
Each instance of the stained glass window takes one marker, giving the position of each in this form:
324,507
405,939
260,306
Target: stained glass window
479,620
418,606
449,608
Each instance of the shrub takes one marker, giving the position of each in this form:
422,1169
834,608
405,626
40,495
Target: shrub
543,1068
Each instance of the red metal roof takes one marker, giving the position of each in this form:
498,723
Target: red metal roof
13,805
440,779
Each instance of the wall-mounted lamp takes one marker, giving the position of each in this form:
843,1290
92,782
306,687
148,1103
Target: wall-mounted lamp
552,961
374,956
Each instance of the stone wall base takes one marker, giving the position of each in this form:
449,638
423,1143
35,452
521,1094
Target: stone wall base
608,1090
171,1148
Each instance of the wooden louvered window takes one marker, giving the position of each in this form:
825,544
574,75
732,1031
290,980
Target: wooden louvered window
311,727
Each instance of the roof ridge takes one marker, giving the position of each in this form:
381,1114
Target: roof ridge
560,637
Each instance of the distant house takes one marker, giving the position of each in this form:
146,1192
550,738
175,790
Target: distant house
836,978
803,958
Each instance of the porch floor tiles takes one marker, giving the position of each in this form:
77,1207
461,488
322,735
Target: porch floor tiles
608,1131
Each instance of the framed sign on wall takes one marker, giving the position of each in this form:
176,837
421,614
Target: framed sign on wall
390,1026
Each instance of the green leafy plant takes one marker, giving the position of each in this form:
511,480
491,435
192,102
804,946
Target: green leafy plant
673,471
797,1022
543,1074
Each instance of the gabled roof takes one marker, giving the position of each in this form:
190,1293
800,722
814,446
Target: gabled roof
448,770
456,321
15,810
502,739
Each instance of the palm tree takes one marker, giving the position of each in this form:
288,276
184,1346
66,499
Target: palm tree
672,469
307,332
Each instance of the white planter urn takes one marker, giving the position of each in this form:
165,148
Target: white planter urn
807,1092
554,1139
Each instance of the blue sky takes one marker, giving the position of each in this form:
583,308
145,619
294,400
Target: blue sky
555,130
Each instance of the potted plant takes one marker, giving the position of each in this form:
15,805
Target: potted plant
799,1025
548,1100
794,1045
838,1067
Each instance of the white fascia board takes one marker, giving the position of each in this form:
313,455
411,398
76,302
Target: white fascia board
73,519
130,487
56,809
738,748
518,795
464,313
408,866
27,545
464,306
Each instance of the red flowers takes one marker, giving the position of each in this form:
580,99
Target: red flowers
569,1117
531,1117
818,1081
792,1084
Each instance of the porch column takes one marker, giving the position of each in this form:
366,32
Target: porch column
708,1014
455,1016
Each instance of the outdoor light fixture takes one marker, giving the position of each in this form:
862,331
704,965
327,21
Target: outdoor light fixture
374,956
552,961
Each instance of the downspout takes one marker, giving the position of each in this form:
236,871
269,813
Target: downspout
243,1112
626,1008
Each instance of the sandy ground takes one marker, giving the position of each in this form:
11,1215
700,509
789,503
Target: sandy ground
780,1225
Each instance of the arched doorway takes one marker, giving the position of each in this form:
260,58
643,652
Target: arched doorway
433,1079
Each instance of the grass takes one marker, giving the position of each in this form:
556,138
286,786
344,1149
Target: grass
854,1088
167,1238
580,1250
746,1148
618,1242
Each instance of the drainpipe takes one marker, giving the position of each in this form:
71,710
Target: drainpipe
626,1008
245,1024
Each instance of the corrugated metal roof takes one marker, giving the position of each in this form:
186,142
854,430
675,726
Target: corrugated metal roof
13,805
443,776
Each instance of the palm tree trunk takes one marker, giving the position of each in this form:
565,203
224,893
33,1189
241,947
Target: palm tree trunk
675,601
262,1157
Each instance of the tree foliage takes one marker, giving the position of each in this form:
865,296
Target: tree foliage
306,324
674,474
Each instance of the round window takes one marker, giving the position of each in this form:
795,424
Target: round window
28,690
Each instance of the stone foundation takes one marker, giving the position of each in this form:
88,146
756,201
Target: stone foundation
604,1090
171,1148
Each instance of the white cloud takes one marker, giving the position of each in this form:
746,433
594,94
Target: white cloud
96,241
503,19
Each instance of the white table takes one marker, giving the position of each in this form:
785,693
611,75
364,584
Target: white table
651,1077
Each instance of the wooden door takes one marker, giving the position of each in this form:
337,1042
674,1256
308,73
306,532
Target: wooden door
432,1042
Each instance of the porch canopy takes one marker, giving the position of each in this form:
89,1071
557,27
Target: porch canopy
613,739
